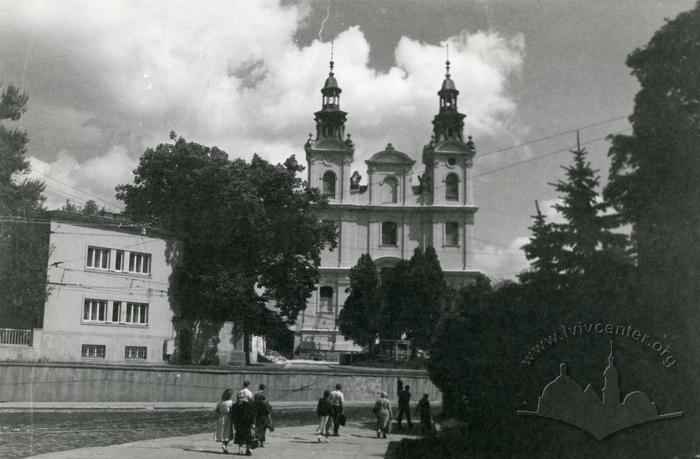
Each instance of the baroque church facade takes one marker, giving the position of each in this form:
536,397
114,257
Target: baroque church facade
403,206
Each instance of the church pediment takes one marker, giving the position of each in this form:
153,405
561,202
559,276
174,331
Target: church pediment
390,156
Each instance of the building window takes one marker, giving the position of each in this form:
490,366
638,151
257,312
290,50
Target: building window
93,351
135,352
329,184
452,233
140,263
98,258
137,313
390,186
95,311
119,261
388,233
116,311
326,300
452,187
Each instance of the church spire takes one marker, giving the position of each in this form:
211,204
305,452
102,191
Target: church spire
448,124
330,120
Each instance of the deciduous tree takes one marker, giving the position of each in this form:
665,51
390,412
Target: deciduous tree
247,233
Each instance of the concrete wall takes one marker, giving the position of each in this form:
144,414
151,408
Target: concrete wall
12,352
23,382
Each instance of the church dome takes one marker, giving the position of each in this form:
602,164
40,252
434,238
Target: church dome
331,82
448,84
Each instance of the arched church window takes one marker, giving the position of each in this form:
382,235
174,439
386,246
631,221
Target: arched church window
329,184
390,188
388,233
452,187
325,299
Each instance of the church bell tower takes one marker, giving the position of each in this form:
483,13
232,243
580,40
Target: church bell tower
328,154
448,158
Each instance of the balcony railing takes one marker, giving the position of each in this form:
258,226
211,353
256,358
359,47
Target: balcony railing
15,337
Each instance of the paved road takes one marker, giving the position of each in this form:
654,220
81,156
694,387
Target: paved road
298,442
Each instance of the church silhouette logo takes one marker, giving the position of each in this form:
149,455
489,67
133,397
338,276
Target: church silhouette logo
564,400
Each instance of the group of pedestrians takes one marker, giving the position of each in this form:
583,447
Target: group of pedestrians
382,410
330,413
246,421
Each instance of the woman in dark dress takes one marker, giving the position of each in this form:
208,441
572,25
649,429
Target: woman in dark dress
242,416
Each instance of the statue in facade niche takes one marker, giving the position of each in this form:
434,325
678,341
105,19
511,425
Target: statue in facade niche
424,183
355,181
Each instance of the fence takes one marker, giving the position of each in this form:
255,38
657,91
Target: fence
15,337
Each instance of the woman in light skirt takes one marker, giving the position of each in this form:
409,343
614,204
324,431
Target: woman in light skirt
224,426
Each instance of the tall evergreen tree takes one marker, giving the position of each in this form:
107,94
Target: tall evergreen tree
396,299
23,241
544,250
428,287
358,318
586,234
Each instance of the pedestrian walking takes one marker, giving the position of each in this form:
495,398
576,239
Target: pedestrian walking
262,415
224,426
338,400
324,410
247,393
242,416
382,410
405,406
423,409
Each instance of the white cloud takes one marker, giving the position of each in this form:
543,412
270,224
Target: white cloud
95,178
230,74
501,262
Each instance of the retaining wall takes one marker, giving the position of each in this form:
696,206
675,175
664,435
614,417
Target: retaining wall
53,382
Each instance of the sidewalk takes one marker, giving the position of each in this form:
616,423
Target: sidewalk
297,442
136,406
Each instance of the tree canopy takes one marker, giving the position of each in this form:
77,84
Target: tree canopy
406,301
247,233
655,171
358,318
655,186
585,246
23,240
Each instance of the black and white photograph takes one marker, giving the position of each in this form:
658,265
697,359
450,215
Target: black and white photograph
350,229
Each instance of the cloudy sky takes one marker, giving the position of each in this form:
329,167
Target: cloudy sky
108,79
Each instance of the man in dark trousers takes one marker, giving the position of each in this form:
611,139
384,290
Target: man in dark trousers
338,400
404,406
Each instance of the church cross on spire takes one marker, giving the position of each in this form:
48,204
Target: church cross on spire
447,61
